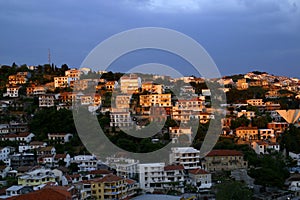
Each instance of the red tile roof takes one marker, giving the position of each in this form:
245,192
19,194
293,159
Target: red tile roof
173,167
101,171
107,179
198,171
48,193
224,152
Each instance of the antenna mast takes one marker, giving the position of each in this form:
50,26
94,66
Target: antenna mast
49,57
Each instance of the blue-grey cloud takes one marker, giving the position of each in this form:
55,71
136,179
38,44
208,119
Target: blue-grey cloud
240,35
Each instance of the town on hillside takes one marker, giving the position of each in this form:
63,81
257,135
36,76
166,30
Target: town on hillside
256,155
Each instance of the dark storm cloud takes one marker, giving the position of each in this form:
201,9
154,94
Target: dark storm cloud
240,35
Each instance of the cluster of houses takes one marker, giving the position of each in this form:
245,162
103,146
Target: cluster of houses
120,177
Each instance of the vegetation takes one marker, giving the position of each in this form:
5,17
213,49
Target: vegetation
233,190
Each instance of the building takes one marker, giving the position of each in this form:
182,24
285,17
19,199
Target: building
188,157
200,178
278,127
23,159
17,190
46,100
242,84
159,100
121,119
130,84
256,102
122,101
4,154
125,167
85,162
61,82
19,137
49,150
195,104
181,134
224,160
60,138
265,134
37,177
157,176
109,187
264,147
248,114
12,91
152,88
247,133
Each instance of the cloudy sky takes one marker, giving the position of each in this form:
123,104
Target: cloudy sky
240,35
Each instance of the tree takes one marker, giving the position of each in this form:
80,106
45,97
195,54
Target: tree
233,190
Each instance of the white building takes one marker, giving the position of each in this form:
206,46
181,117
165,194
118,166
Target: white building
262,147
12,91
60,137
120,119
189,157
158,176
200,178
4,154
125,167
85,162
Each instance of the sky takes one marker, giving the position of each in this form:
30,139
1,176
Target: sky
239,35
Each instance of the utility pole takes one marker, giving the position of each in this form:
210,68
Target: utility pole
49,57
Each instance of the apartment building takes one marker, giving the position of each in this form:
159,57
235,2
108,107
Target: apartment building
157,176
121,119
130,84
46,100
109,187
195,104
242,84
12,91
152,88
125,167
159,100
248,114
188,157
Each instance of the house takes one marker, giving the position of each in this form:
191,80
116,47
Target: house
32,145
200,178
4,154
37,177
256,102
263,147
181,134
248,114
49,150
186,156
17,190
65,158
293,183
266,133
4,169
47,193
242,84
46,100
247,133
278,127
224,160
60,138
46,160
19,137
296,157
39,90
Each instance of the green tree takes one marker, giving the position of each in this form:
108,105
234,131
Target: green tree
233,190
